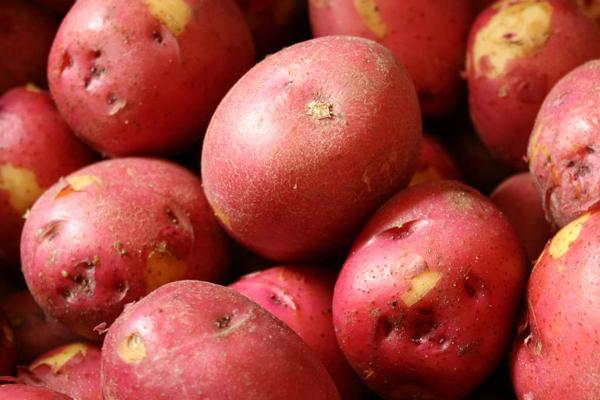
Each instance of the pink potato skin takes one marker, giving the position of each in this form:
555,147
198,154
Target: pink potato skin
301,297
308,144
504,107
37,139
408,346
435,163
428,37
77,374
23,392
519,200
8,348
556,355
563,150
28,320
128,85
237,349
112,232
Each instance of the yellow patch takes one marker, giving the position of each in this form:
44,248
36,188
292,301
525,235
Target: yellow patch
21,185
320,3
369,13
221,216
563,240
174,14
420,286
32,88
517,30
132,349
319,110
163,267
77,183
427,175
58,360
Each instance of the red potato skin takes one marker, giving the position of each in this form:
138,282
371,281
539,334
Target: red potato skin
328,128
427,37
518,89
159,98
93,244
35,139
421,346
23,392
519,200
73,370
556,355
301,297
8,348
223,335
435,163
563,150
28,321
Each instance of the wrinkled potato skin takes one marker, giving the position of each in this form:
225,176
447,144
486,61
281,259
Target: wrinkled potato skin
23,392
237,349
130,85
308,144
435,163
407,344
556,355
112,232
8,348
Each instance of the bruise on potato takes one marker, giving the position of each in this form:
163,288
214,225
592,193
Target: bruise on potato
563,240
57,361
174,14
369,13
22,186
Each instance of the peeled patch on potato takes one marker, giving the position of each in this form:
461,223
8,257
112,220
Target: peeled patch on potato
562,241
21,185
163,267
77,183
369,13
174,14
57,361
132,349
420,286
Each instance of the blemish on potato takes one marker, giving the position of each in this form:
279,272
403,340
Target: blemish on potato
366,180
33,88
428,174
420,286
57,361
517,30
115,103
174,14
563,240
320,3
163,267
232,323
319,110
21,185
221,216
132,350
369,13
8,334
77,184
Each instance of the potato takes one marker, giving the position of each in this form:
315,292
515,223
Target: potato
519,200
425,303
25,42
308,144
301,297
435,163
556,355
227,347
73,370
36,149
111,233
144,76
23,392
35,331
427,36
518,49
591,8
563,147
8,349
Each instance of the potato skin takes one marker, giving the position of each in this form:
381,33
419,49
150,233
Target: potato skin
8,348
23,392
428,37
159,97
301,297
429,293
556,355
303,148
517,51
435,163
114,231
36,148
237,350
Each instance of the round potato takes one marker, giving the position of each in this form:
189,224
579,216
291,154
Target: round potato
435,163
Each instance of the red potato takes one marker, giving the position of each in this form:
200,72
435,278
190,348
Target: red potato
519,200
228,348
518,50
111,233
23,392
25,38
556,355
35,331
144,76
428,37
563,150
308,144
36,149
8,348
435,163
301,298
73,370
425,304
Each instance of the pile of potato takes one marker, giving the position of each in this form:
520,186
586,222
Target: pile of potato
299,199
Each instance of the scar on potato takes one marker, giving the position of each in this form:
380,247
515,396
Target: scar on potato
132,350
22,187
368,10
517,30
426,175
231,323
77,184
563,240
163,267
58,360
174,14
319,110
420,286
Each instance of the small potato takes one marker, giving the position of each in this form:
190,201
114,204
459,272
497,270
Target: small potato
555,356
113,232
518,50
23,392
143,77
36,149
425,304
435,163
193,337
8,348
73,370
